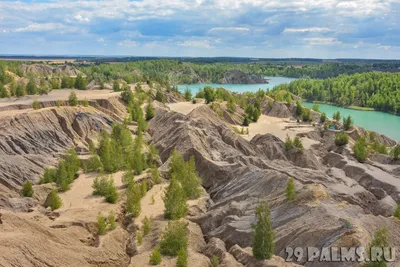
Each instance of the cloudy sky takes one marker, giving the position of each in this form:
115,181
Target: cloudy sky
247,28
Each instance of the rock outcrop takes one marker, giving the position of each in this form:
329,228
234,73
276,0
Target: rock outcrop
240,77
333,191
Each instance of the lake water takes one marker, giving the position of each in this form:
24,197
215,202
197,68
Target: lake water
240,88
380,122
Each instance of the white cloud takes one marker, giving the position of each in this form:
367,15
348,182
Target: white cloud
128,43
100,40
322,41
229,29
81,18
386,47
304,30
199,44
41,27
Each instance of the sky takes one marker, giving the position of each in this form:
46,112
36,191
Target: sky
207,28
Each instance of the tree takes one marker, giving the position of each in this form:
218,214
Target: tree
181,260
143,187
20,90
27,189
263,243
290,189
134,196
53,200
103,185
360,149
209,94
246,121
288,143
188,94
306,114
175,201
299,108
336,116
322,119
155,175
395,152
73,99
85,102
341,139
149,111
397,212
315,107
155,257
174,238
101,224
298,144
347,123
116,87
31,87
62,178
3,91
80,82
49,176
146,225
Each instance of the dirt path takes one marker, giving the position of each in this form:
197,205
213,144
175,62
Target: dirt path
184,107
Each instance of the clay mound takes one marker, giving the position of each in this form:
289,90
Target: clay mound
276,109
24,242
46,70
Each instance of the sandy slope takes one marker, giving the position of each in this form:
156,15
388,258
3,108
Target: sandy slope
184,107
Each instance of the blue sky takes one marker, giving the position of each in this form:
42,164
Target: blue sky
247,28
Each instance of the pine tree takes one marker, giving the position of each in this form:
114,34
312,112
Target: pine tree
395,152
3,91
246,121
298,144
155,175
175,201
322,119
288,143
380,240
188,94
101,224
31,87
35,104
155,257
73,99
134,196
290,189
263,243
360,149
149,111
116,87
299,108
397,212
111,195
143,187
80,82
27,189
62,177
173,238
347,123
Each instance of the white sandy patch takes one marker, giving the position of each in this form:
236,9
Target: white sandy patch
184,107
150,210
80,204
280,127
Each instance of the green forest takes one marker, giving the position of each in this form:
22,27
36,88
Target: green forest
377,90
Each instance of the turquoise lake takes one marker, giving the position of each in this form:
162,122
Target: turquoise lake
240,88
380,122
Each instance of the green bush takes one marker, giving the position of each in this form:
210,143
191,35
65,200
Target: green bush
378,147
298,144
73,99
397,212
215,261
94,164
85,102
299,108
53,200
395,152
306,114
103,185
288,143
341,139
347,123
263,242
128,177
181,260
290,189
27,189
360,149
146,226
101,224
315,107
336,116
188,94
155,257
155,175
59,103
174,238
380,240
246,121
36,104
111,221
175,201
134,196
322,119
139,237
49,176
149,111
143,187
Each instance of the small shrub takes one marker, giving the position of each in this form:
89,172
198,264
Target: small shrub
146,225
322,119
54,200
155,257
194,101
397,212
149,111
290,189
380,240
348,224
299,108
49,176
360,149
101,224
378,147
395,152
103,185
153,201
341,139
288,143
298,144
139,237
133,199
93,164
336,116
59,103
128,177
215,261
347,123
73,99
27,189
155,176
111,221
143,187
175,201
315,107
306,114
85,102
181,260
36,104
246,121
174,238
263,244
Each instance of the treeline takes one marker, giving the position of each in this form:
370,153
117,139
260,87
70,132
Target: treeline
166,71
377,90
